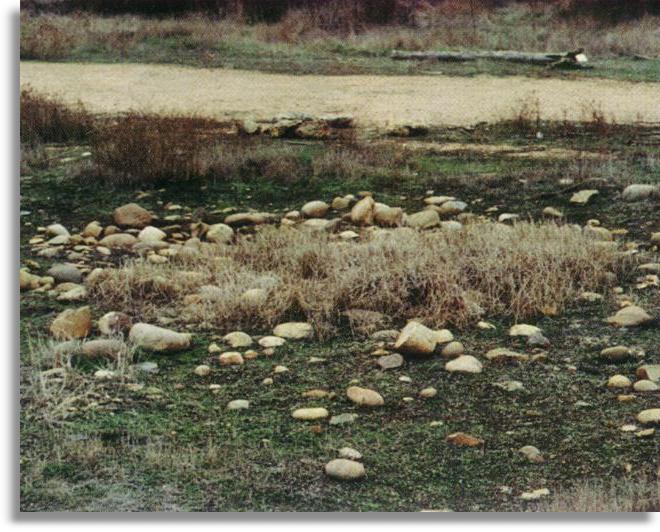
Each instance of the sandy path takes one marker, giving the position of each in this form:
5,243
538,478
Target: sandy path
372,100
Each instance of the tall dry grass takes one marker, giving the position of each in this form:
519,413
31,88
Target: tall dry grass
439,277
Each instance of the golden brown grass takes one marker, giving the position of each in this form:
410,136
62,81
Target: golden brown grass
439,277
45,119
638,494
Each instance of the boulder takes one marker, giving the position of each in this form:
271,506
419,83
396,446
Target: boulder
583,196
132,215
65,273
650,416
364,396
103,348
219,234
416,339
231,358
649,371
453,350
151,234
639,192
72,323
310,414
294,330
387,216
630,316
362,212
523,329
344,469
616,353
114,323
237,339
464,364
423,220
118,241
159,339
315,209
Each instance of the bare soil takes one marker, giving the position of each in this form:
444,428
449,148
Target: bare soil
374,101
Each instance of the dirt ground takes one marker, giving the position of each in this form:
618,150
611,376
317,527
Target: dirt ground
374,101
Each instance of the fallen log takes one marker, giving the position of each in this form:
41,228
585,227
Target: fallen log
575,59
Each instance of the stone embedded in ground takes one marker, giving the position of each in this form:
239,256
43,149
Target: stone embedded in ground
350,453
341,203
280,369
267,381
649,416
76,293
103,348
630,316
219,234
315,209
619,381
310,414
315,394
271,341
343,419
416,339
147,367
639,192
119,241
523,329
390,361
387,216
231,358
425,219
238,404
92,229
464,364
532,454
617,353
427,393
362,212
344,469
504,354
453,350
113,323
484,325
450,207
509,385
151,234
65,273
104,374
646,386
202,371
552,212
583,196
294,330
72,323
443,336
464,440
132,215
237,339
57,230
364,396
438,200
249,218
649,371
159,339
535,495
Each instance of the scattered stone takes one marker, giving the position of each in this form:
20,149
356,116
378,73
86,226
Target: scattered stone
646,386
147,367
267,381
429,392
628,428
362,212
552,212
451,207
154,338
343,469
502,353
537,340
453,350
486,326
423,220
238,404
350,453
390,361
416,339
151,234
639,192
619,381
219,234
535,495
343,419
103,348
310,414
271,341
464,364
630,316
315,209
583,196
57,230
65,273
114,323
646,433
294,330
387,216
532,454
280,369
616,353
119,241
464,440
132,215
72,323
202,371
650,416
76,293
364,396
237,339
523,329
104,374
649,371
316,394
231,358
509,386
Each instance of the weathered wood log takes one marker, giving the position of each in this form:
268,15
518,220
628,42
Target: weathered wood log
576,59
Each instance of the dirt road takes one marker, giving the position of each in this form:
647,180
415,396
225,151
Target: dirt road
374,101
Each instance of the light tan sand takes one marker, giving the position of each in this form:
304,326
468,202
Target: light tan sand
374,101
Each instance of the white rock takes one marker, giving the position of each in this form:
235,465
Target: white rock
238,404
271,341
294,330
464,364
522,329
310,414
153,338
151,234
238,339
343,469
219,234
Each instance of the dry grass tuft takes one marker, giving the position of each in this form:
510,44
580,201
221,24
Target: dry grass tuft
623,495
45,119
440,277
